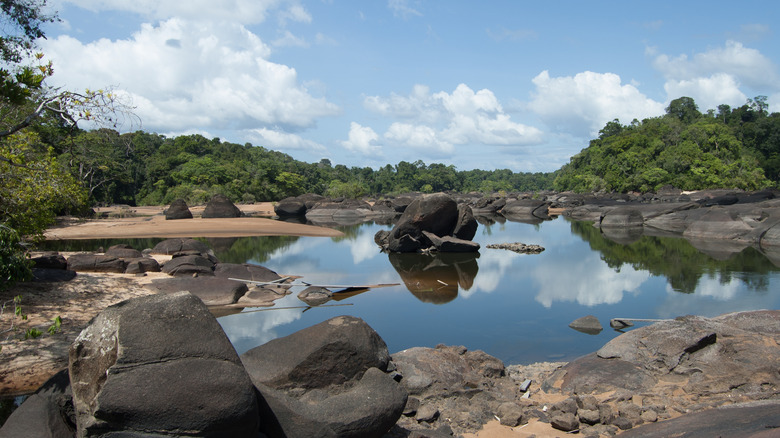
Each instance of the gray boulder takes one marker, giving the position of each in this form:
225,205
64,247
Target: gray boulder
587,324
466,226
178,210
297,205
173,246
245,271
315,295
327,380
46,414
189,265
96,263
142,264
212,291
220,207
135,371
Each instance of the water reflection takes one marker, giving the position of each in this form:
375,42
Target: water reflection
435,278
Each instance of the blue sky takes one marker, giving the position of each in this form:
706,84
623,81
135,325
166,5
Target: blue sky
502,84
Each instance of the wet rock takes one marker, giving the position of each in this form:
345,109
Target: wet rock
178,210
587,324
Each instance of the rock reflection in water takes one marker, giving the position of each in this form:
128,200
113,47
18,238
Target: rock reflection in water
436,278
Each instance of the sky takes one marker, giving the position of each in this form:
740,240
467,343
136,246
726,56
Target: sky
516,85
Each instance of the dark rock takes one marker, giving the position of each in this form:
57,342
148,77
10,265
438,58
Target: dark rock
172,246
564,421
587,324
245,271
412,404
518,247
123,251
435,213
46,414
221,207
212,291
466,226
189,265
141,265
297,205
588,416
756,419
52,275
327,380
178,210
96,263
450,244
623,423
137,372
50,261
315,295
527,207
718,223
568,406
623,217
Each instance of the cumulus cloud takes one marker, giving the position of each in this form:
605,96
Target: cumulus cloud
717,75
437,122
181,74
279,140
582,104
236,11
362,139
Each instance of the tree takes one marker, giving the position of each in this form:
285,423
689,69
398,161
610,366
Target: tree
683,109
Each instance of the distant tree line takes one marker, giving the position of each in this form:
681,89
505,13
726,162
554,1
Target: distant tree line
731,148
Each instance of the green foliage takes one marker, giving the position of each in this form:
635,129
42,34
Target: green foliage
352,190
14,265
33,186
684,148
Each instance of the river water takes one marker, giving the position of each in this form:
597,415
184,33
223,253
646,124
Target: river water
516,307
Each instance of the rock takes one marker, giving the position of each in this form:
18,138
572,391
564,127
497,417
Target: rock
568,406
50,261
178,210
622,217
315,295
518,247
649,416
142,264
587,324
606,414
297,205
188,266
96,263
427,414
466,226
135,370
52,275
327,380
435,213
718,223
588,416
564,421
172,246
245,271
510,414
220,207
451,244
46,414
526,207
212,291
123,251
412,404
592,374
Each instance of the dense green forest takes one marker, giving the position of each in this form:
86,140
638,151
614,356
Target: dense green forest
733,148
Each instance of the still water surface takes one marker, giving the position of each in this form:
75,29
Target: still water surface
515,307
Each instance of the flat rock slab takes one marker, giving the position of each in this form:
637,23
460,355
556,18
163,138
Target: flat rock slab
749,420
213,291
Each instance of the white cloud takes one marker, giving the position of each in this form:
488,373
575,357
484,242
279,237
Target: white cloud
362,139
182,74
582,104
708,92
402,9
279,140
438,122
235,11
746,65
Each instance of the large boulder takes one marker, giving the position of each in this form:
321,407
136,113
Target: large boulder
123,251
178,210
46,414
466,226
296,205
437,214
96,263
160,366
245,271
173,246
189,265
220,207
212,291
328,380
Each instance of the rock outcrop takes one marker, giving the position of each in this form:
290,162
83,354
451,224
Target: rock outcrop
431,222
329,380
178,210
221,207
136,370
